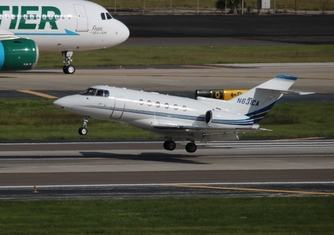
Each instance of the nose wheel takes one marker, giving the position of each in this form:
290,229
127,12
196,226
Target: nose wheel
83,130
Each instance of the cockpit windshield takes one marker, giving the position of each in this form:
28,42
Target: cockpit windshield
95,92
106,16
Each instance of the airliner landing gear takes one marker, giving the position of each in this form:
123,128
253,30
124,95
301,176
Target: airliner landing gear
68,68
191,147
83,130
169,145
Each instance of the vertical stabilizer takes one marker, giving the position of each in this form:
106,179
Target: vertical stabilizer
257,102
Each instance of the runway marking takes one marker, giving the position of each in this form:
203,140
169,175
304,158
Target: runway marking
38,94
251,189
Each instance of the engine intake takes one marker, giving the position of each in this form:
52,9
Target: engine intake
208,117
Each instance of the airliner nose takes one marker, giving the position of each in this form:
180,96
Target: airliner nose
122,31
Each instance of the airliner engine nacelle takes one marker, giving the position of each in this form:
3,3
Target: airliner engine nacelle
18,54
219,93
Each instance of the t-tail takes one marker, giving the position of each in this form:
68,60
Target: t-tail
257,102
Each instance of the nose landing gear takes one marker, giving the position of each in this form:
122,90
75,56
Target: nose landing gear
83,130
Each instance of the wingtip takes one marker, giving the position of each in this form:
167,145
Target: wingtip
285,76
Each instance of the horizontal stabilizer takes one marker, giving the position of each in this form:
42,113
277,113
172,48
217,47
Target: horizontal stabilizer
290,92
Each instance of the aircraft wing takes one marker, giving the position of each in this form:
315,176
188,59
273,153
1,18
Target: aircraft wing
206,134
6,34
208,129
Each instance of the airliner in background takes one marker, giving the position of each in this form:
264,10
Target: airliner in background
177,118
62,25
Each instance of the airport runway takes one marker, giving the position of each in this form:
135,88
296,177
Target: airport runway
113,170
317,77
129,169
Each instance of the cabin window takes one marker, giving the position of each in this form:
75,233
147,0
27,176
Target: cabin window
166,105
176,107
149,103
184,108
141,101
157,104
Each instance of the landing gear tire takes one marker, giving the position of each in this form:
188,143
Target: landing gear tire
83,131
68,69
169,145
191,147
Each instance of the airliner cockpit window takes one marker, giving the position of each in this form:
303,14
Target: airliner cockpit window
103,16
89,91
108,16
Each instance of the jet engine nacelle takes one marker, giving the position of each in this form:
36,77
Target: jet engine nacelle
219,93
221,115
18,54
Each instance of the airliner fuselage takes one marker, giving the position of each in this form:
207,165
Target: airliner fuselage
62,25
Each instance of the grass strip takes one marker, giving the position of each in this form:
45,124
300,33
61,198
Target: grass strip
271,215
39,119
191,55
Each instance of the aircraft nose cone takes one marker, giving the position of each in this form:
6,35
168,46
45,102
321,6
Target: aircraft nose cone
122,32
61,102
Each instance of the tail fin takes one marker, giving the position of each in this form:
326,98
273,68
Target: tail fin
257,102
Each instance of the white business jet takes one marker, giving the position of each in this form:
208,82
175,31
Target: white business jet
178,118
62,25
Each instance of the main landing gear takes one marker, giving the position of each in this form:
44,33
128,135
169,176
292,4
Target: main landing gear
170,145
83,130
68,68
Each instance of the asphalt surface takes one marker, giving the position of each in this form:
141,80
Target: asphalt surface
104,172
167,190
309,29
143,169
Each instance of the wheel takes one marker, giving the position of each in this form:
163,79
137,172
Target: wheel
191,147
83,131
70,69
169,145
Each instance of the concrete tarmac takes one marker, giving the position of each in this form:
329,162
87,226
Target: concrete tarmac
84,170
95,161
317,77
